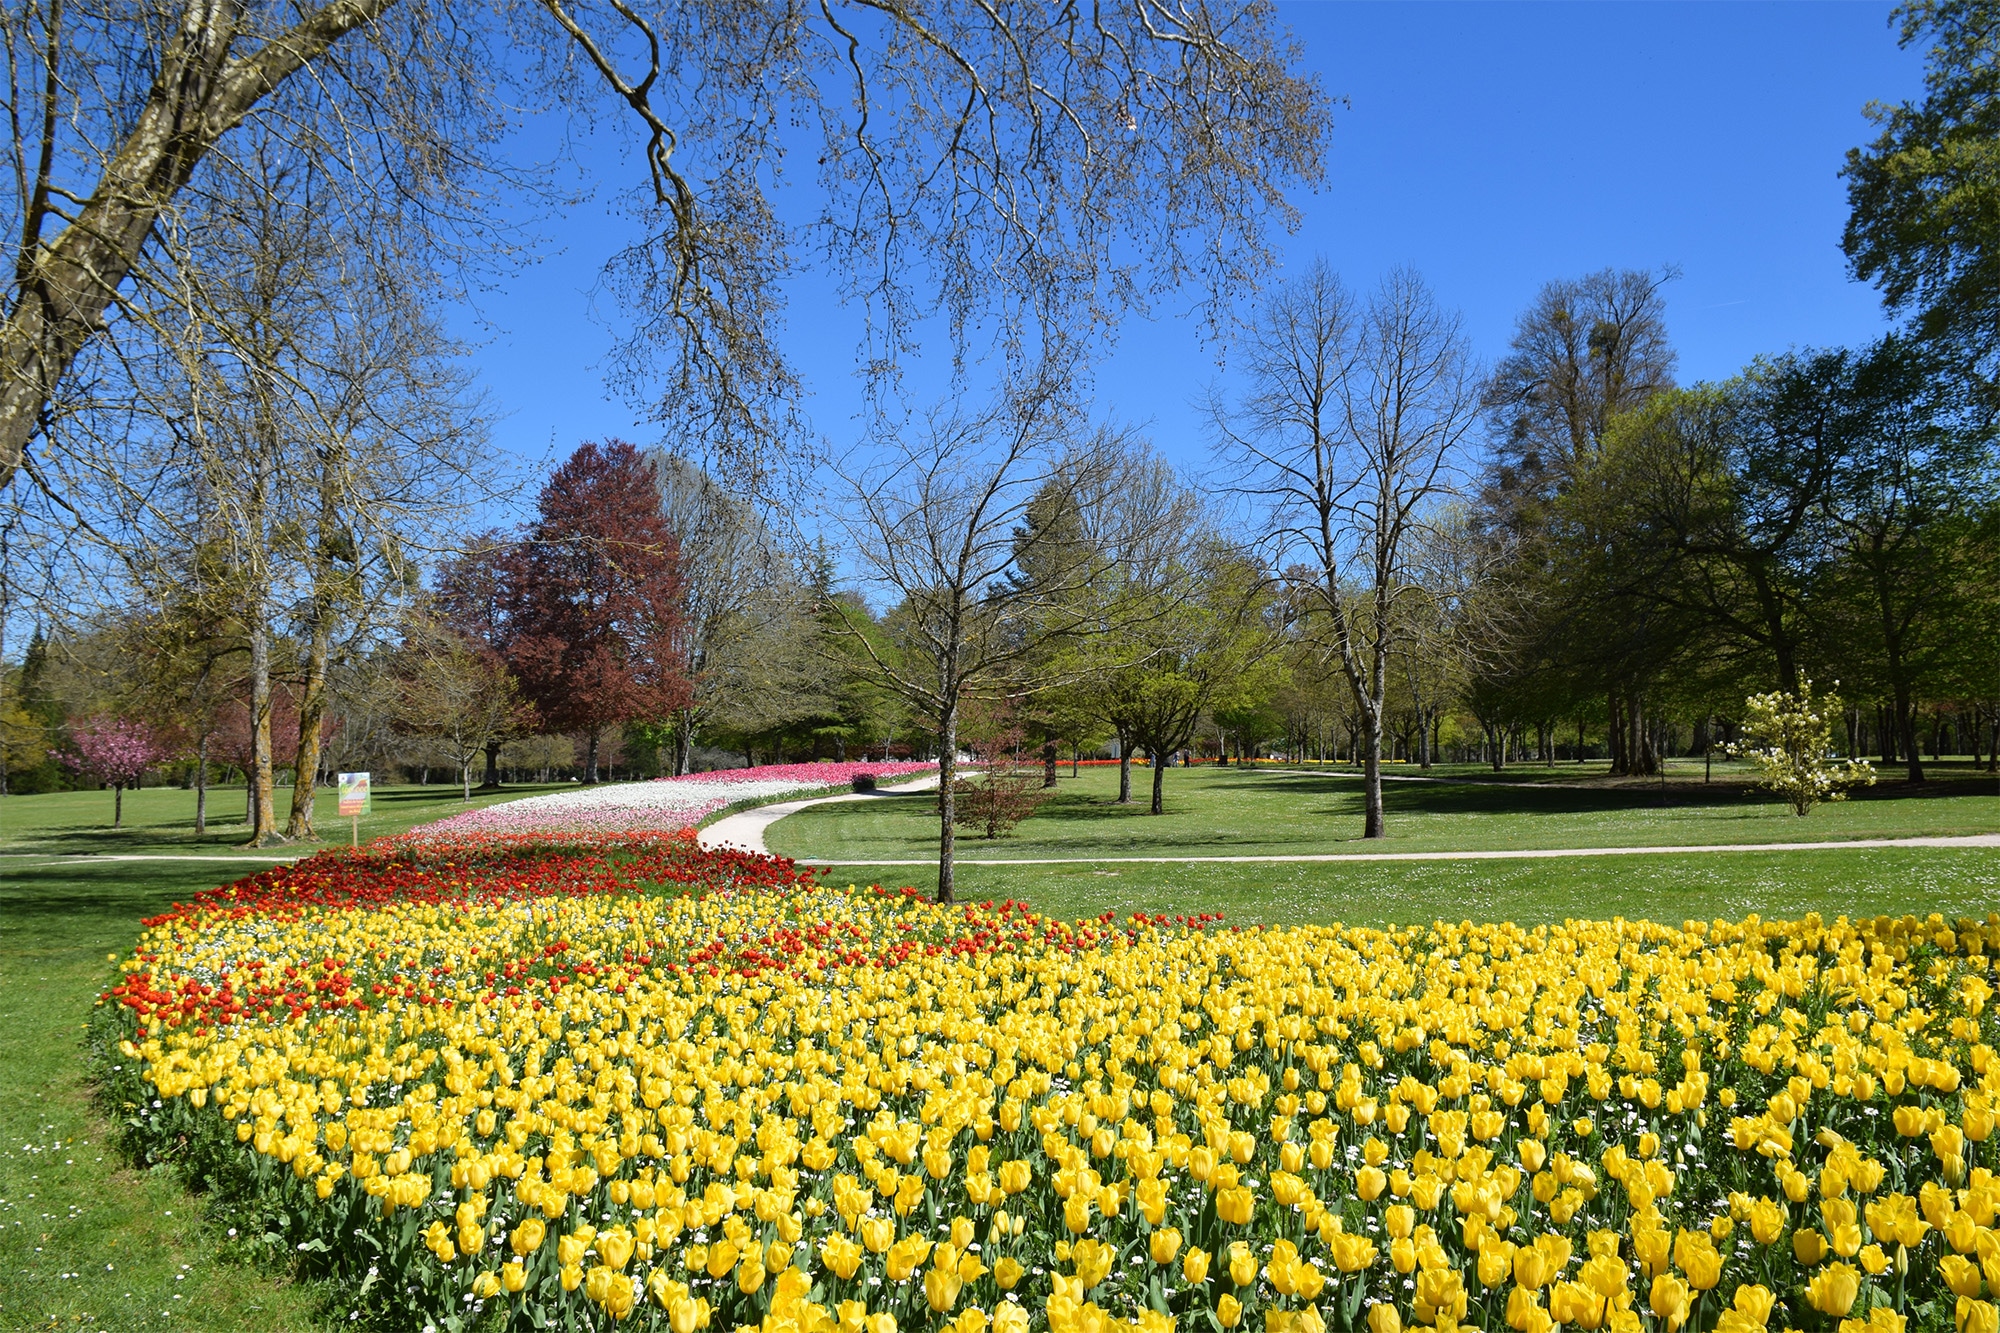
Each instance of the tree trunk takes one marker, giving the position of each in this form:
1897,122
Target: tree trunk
947,803
1906,727
590,759
1159,806
1049,764
1075,760
1124,770
465,780
117,805
201,786
1642,761
684,743
492,778
262,816
312,714
1371,778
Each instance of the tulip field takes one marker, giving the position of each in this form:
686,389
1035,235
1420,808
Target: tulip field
639,1085
661,805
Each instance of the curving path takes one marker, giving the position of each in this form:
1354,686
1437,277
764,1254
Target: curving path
751,838
744,830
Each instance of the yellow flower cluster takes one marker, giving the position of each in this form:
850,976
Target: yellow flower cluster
1604,1126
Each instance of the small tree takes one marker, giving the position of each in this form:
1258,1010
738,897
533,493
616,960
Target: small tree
460,695
1790,739
1006,790
112,751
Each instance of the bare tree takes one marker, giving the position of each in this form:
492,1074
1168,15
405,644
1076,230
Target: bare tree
747,636
1346,439
940,525
290,439
1588,349
998,160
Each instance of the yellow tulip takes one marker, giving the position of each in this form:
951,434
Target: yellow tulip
721,1258
1496,1262
1229,1311
1195,1266
1698,1258
1531,1267
1669,1300
941,1288
841,1255
1164,1244
1808,1247
1833,1289
1977,1316
1960,1274
1382,1318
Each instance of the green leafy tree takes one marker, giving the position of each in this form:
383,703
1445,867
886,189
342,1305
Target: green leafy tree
1904,521
1211,649
1924,197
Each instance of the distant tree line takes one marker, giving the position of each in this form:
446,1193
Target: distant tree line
1398,555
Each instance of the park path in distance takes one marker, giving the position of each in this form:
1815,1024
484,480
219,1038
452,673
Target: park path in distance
745,831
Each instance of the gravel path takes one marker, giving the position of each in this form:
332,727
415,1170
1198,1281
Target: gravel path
744,830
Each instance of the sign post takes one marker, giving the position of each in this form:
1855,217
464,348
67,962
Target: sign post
354,801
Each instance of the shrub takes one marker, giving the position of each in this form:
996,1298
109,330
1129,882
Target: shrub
1790,740
864,782
1004,792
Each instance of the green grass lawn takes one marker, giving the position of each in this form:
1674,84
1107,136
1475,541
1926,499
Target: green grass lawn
85,1241
1213,811
1222,812
1666,887
160,820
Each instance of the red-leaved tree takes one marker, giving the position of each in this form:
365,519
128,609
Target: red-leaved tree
592,599
113,751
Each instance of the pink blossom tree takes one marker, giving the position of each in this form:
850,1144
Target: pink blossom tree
112,751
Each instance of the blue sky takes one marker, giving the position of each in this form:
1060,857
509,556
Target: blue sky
1491,146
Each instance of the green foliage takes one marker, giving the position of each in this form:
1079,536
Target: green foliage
1925,195
1790,739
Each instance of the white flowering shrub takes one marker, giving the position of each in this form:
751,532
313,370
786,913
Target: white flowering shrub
1790,739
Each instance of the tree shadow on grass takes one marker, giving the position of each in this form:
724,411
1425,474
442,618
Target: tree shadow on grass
46,902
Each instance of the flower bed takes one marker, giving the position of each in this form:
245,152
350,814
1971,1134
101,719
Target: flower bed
663,805
560,1092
